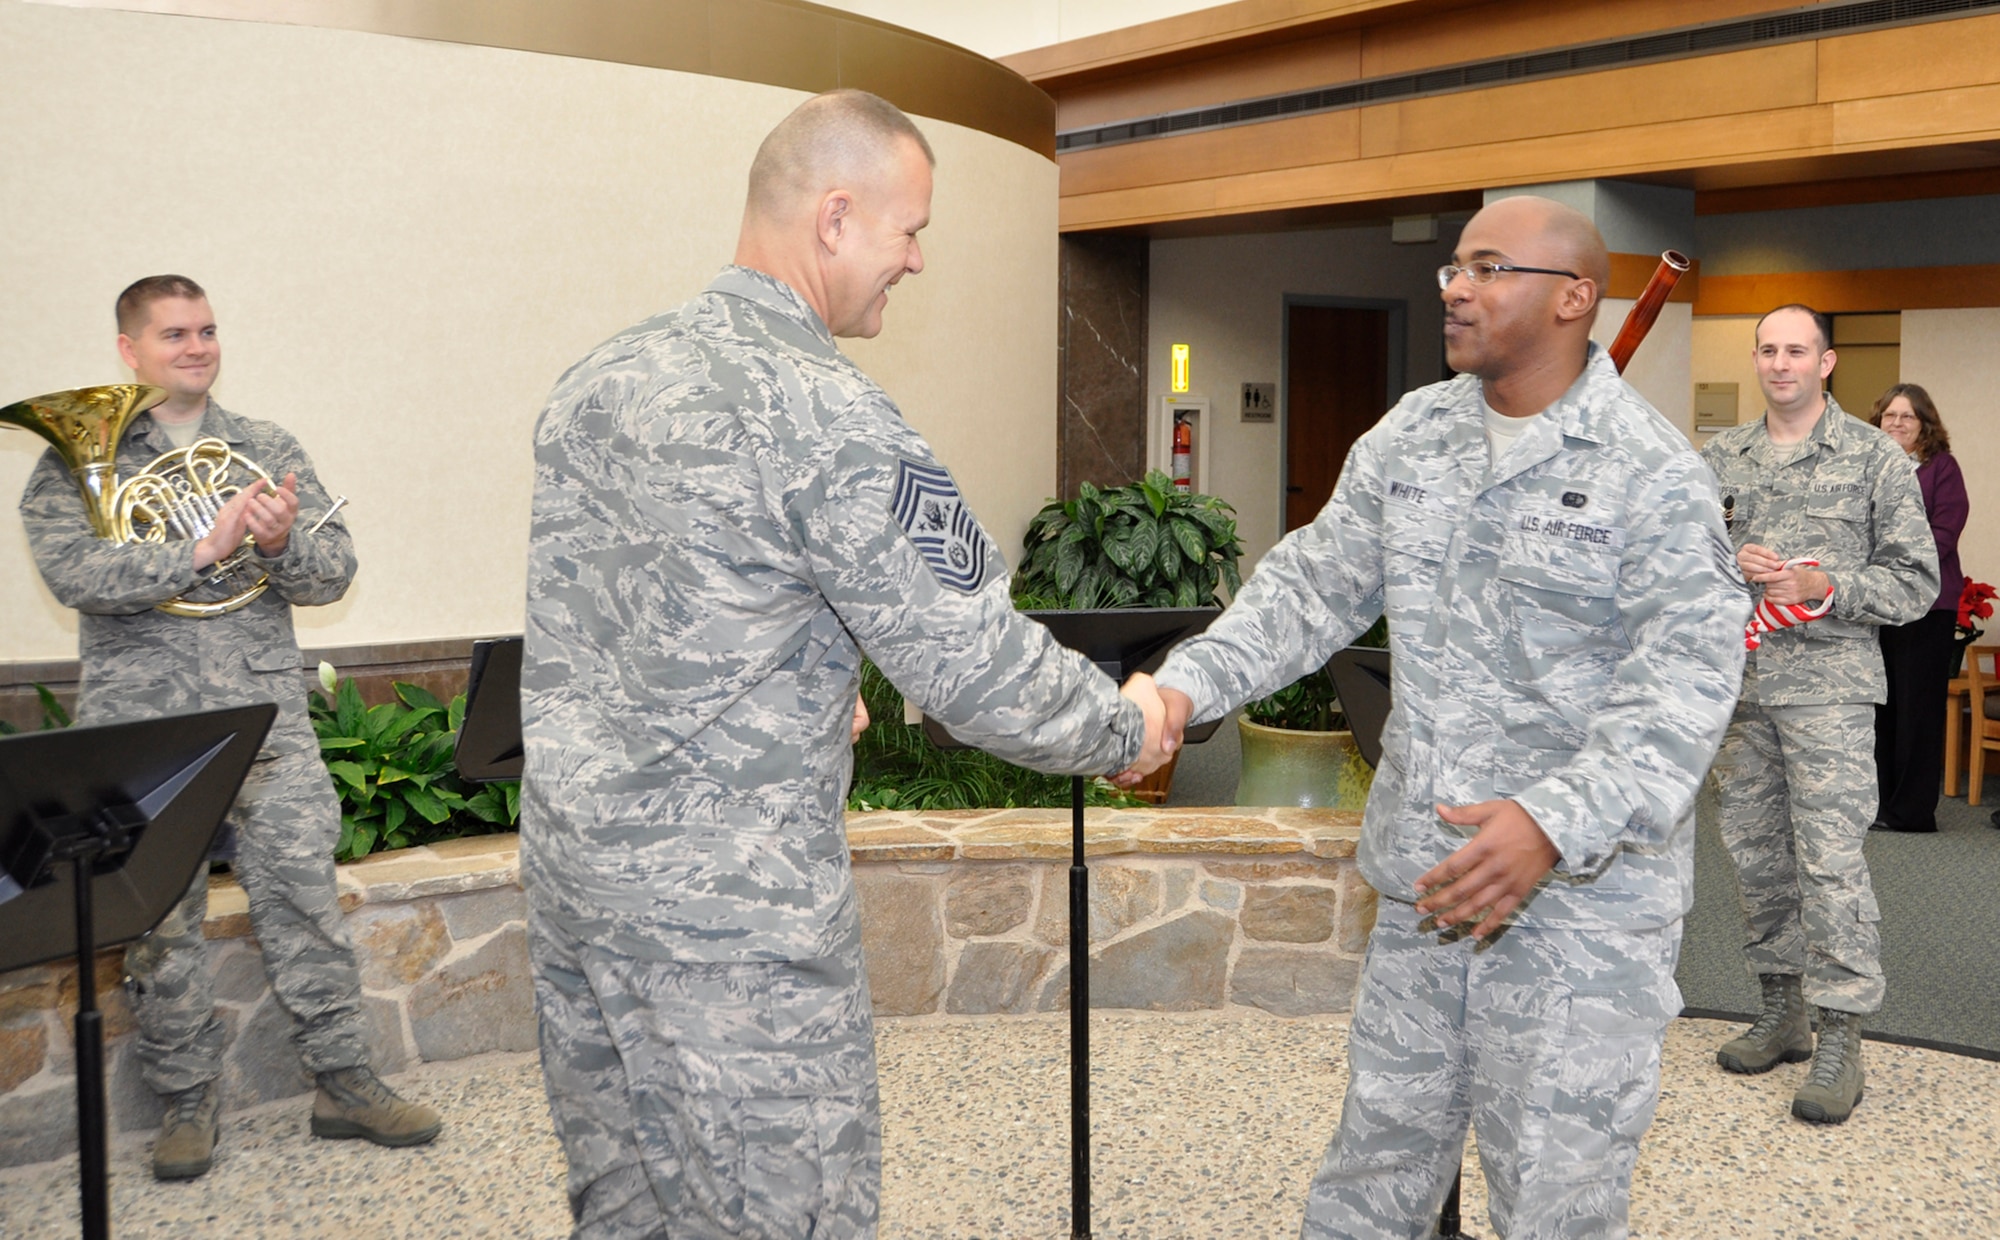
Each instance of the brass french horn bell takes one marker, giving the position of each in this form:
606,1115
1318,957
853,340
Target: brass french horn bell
84,426
174,498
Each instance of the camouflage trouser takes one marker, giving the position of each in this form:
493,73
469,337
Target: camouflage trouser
703,1101
1796,788
1547,1043
287,821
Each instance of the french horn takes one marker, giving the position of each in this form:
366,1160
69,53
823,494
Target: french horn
176,497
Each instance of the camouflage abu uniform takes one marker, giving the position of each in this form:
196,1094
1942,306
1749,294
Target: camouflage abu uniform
725,509
1567,632
139,663
1796,776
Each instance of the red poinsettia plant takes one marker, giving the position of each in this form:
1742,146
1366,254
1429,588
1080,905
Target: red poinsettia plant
1975,602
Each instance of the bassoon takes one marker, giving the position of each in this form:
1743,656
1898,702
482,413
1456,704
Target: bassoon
1673,265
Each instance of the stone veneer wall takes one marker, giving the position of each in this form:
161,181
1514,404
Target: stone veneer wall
963,912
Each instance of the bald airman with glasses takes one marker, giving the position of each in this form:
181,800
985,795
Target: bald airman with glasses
1566,624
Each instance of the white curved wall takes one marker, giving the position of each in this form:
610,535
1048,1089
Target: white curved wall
406,242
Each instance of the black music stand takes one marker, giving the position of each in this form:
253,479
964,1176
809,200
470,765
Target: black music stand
1121,642
489,737
134,806
1361,681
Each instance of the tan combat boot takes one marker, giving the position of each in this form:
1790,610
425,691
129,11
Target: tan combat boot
354,1102
1833,1087
1782,1033
187,1134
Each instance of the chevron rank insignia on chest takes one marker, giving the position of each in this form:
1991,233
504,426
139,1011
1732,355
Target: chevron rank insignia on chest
934,515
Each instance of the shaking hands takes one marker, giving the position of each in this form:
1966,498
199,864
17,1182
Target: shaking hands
1166,712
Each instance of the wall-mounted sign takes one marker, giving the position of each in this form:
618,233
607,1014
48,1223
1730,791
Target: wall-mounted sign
1179,375
1260,402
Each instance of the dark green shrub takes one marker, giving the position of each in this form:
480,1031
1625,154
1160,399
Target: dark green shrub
392,765
1140,545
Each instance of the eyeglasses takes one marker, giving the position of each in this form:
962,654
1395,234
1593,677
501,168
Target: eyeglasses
1483,272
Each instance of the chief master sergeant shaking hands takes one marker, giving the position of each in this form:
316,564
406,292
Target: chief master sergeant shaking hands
1566,627
1796,777
727,514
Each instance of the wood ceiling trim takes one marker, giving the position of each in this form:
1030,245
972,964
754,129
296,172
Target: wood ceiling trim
1849,191
1851,292
1643,122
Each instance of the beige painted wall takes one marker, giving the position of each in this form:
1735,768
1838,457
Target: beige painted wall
1722,348
1660,369
1952,354
407,242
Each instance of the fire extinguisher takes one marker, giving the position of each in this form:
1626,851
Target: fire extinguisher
1183,456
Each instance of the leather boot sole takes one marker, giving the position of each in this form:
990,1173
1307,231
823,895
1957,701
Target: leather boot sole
340,1129
181,1171
1730,1061
1814,1113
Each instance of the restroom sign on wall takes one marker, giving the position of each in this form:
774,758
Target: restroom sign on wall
1260,402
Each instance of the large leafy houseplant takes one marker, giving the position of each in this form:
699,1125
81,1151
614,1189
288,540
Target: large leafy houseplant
1140,545
393,766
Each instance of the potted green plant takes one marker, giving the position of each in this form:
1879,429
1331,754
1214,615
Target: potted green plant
1297,747
393,767
1144,544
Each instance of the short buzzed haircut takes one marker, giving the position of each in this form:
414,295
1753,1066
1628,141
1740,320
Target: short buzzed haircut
829,140
135,304
1821,322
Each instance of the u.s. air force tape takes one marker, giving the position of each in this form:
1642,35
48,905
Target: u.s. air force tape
934,515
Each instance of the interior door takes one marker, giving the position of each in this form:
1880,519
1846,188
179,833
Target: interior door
1336,387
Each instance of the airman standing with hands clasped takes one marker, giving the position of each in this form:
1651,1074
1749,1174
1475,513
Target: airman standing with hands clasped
1829,525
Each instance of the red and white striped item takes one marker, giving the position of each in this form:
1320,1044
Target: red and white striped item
1770,617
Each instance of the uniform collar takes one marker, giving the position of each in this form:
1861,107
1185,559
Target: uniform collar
1574,415
1830,433
216,423
773,294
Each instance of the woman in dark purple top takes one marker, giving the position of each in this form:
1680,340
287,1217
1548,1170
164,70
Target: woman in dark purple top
1909,727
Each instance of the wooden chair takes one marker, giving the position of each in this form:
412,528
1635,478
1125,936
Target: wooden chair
1955,693
1983,694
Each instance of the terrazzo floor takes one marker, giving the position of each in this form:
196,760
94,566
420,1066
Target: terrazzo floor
1206,1125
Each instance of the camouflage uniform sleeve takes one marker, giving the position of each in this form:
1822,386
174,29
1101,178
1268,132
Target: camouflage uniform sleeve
1682,605
1901,580
92,574
315,568
1311,595
962,653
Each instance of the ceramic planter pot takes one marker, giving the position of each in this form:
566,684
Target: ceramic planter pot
1311,770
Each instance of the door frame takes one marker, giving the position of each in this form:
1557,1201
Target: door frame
1399,350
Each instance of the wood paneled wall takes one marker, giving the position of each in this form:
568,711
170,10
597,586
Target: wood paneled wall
1931,88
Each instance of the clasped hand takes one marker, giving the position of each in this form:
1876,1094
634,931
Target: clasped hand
1489,876
1166,712
1764,567
258,511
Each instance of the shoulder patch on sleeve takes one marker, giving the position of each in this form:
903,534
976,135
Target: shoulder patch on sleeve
934,515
